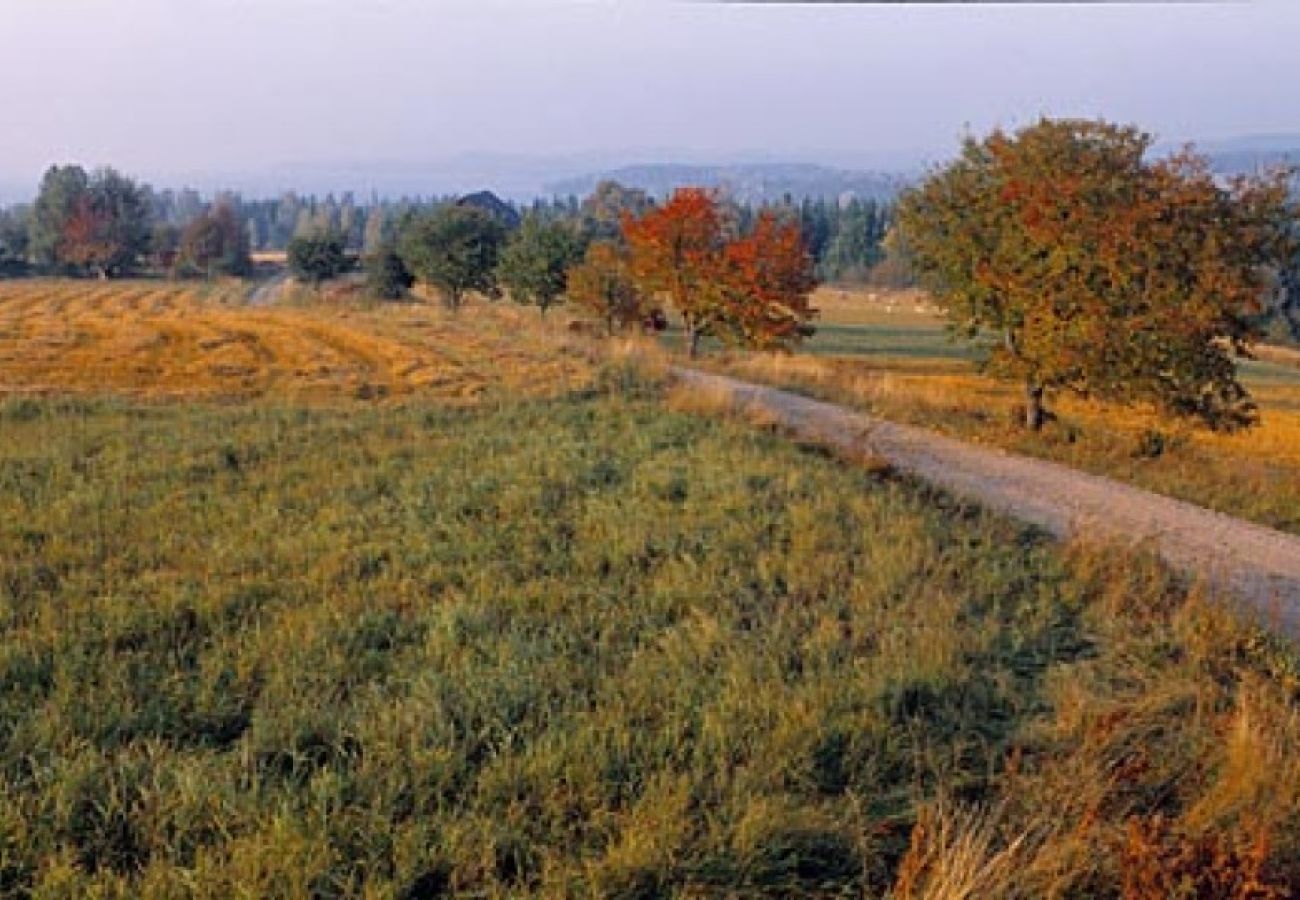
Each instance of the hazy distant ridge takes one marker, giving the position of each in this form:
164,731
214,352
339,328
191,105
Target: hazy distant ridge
747,182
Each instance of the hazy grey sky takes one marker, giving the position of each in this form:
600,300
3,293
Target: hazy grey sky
164,87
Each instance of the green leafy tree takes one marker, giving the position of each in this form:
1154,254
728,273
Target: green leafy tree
455,249
216,243
386,274
13,242
535,263
318,256
1099,271
61,192
1284,312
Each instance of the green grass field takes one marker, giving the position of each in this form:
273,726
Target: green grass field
589,647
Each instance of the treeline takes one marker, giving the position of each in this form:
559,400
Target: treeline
620,260
107,224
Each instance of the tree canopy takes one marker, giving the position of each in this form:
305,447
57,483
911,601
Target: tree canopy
97,223
535,264
1099,270
751,289
318,256
216,243
603,286
13,242
603,210
386,274
455,249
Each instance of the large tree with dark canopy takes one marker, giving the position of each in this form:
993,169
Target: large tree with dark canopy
1099,270
97,223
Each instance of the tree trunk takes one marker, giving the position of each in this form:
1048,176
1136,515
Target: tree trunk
694,335
1033,406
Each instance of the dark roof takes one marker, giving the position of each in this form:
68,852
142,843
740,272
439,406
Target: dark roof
493,205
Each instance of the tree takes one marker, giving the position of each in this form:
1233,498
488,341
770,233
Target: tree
111,227
677,249
455,249
750,290
164,246
386,274
603,285
1101,272
57,201
857,244
318,256
1284,311
13,242
535,263
98,223
771,279
216,243
378,232
604,209
87,237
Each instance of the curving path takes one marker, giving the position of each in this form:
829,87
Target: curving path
1260,565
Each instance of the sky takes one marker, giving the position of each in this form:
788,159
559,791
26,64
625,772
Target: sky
186,90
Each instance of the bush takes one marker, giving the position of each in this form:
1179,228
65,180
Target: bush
386,275
319,257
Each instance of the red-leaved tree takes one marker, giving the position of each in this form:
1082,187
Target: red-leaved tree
771,275
752,291
87,239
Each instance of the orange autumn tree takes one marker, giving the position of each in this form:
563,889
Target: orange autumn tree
751,291
602,285
87,238
1099,270
771,274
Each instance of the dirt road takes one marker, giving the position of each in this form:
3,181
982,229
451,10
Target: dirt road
1260,565
266,293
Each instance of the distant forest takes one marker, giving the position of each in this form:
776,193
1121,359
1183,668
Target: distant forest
77,210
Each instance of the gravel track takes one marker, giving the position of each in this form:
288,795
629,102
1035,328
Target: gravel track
1258,564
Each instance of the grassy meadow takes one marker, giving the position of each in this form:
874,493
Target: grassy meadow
579,641
888,353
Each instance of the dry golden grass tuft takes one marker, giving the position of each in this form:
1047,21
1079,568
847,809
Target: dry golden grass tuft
161,340
959,854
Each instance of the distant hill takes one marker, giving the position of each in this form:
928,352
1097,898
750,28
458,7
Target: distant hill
1247,155
1245,162
746,182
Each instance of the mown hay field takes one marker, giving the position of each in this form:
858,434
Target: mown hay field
579,644
159,339
889,354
